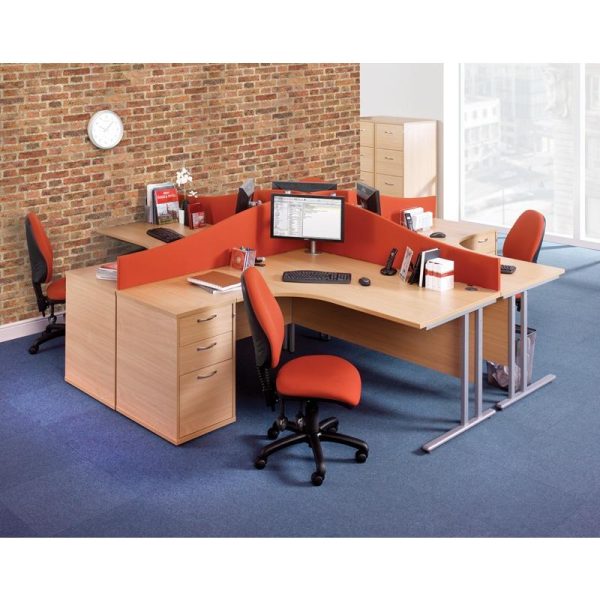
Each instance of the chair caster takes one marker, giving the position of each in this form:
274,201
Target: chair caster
260,463
317,478
332,429
34,349
360,456
273,433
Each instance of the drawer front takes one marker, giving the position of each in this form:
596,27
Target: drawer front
390,185
368,178
367,133
205,352
367,161
481,242
389,136
205,398
205,324
389,162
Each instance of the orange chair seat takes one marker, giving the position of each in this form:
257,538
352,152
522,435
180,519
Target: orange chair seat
57,291
320,376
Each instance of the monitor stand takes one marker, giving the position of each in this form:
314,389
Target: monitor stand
312,248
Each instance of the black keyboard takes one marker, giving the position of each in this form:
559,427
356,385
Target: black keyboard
316,277
507,269
164,235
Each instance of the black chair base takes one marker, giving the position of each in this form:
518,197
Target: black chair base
53,330
307,428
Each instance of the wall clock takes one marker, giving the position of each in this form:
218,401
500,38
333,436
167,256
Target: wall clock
105,129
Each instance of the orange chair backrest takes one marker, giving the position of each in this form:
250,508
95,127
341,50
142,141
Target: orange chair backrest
40,250
267,312
524,240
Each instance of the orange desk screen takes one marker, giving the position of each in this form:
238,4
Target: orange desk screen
367,237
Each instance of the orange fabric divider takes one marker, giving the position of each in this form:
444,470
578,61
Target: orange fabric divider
207,249
217,208
393,208
370,237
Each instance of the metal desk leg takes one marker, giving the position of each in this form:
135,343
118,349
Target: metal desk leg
291,337
480,415
526,387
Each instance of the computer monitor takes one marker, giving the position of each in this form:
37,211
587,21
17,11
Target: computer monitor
307,217
304,186
368,197
245,194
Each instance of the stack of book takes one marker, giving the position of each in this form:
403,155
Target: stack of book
162,203
216,282
107,271
416,219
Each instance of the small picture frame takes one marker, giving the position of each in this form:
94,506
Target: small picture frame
408,254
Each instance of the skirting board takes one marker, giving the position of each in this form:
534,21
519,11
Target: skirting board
11,331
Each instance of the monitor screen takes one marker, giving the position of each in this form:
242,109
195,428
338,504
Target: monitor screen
368,197
244,196
307,217
304,186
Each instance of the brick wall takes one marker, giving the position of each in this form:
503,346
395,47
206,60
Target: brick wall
225,122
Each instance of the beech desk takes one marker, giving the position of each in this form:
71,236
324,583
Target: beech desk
136,233
168,359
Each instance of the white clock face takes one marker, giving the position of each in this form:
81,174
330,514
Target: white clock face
105,129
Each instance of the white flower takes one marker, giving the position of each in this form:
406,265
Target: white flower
183,177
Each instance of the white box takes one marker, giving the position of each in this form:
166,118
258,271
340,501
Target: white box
439,274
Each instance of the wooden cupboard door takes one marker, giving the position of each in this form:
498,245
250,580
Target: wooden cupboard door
206,398
389,162
389,136
367,133
205,324
367,160
484,242
368,178
390,185
205,352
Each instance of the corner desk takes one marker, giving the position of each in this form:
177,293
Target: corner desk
137,233
163,353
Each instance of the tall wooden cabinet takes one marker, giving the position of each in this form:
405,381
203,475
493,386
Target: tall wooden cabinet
398,155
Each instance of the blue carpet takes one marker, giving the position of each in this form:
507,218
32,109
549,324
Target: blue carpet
71,467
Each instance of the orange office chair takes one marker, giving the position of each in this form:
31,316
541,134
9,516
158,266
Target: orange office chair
40,256
524,240
309,379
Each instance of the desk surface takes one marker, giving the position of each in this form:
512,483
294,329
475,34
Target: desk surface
135,233
386,297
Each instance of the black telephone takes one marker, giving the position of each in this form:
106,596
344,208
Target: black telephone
388,269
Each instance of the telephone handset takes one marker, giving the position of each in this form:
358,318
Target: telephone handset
388,269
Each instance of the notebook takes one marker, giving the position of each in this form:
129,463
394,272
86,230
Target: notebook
221,282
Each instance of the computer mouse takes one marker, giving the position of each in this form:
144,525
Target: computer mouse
364,281
438,234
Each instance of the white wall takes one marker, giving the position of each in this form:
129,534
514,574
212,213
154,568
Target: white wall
406,90
402,90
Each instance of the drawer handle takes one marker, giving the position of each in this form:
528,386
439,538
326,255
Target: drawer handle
388,157
207,319
206,347
482,241
206,376
386,183
388,132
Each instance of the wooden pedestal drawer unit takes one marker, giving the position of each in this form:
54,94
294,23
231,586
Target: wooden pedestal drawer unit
176,373
399,155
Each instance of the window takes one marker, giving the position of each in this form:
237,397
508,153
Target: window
532,162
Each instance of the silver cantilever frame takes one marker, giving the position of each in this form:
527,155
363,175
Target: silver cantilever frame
526,387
